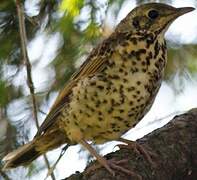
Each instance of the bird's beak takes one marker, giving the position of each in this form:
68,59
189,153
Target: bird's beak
183,10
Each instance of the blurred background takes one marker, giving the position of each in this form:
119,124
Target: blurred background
60,34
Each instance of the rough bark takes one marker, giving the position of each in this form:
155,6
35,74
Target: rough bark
175,147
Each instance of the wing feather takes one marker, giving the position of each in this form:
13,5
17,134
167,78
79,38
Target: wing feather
95,63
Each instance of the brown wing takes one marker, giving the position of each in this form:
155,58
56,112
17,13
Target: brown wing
94,64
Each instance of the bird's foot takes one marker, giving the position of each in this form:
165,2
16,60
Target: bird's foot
139,149
110,165
113,166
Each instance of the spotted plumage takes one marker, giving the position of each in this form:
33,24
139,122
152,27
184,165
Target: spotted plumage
112,90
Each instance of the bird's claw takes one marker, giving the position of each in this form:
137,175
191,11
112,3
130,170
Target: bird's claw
139,149
115,165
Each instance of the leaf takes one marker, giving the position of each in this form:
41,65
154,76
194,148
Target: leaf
72,7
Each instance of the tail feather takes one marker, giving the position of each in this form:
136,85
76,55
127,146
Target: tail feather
22,156
38,146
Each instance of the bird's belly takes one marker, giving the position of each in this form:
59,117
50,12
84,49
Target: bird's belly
102,110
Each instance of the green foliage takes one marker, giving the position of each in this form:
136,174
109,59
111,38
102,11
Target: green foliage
92,31
3,92
72,7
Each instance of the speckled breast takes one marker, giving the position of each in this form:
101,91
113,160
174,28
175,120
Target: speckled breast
108,104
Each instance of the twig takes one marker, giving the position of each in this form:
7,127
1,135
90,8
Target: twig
160,119
57,161
41,111
4,175
27,63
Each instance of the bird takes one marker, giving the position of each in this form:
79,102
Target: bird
111,91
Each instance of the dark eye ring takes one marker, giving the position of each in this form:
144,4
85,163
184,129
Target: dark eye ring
153,14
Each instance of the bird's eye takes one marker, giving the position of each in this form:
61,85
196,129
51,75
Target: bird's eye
153,14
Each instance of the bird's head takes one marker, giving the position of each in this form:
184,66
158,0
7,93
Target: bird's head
151,17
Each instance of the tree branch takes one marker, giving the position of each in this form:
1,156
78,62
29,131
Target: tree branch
175,149
23,37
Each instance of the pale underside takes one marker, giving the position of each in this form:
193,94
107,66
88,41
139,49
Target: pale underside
106,105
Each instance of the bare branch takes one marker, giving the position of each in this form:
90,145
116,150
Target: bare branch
58,159
172,148
4,175
27,63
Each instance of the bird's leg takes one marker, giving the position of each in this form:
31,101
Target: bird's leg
108,164
137,148
100,159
